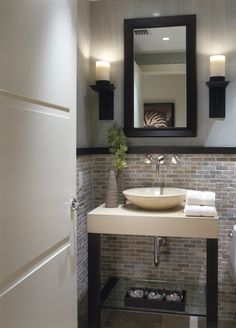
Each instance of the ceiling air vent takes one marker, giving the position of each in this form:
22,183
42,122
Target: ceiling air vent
142,32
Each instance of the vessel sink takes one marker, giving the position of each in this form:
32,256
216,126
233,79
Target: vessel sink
155,198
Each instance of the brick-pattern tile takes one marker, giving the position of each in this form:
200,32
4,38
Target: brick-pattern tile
84,196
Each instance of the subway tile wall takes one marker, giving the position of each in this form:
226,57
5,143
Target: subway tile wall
181,259
85,199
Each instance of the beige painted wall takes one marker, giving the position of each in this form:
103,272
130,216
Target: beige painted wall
83,74
215,34
138,99
167,88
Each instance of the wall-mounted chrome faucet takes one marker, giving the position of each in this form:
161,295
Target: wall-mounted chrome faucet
160,160
148,159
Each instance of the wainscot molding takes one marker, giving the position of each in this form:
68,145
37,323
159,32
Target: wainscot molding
161,150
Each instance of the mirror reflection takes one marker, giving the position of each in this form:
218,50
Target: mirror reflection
160,77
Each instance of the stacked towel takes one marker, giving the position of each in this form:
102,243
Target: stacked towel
200,203
199,210
194,197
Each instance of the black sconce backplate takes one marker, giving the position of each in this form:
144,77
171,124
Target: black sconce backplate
105,90
217,86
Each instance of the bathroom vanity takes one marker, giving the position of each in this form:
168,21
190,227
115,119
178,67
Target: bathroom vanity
130,220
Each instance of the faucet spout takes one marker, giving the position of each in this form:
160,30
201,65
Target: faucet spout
162,186
159,161
157,168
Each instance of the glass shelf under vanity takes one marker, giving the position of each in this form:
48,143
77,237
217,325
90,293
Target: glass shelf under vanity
195,295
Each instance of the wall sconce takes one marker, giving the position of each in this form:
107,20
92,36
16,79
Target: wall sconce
105,90
217,86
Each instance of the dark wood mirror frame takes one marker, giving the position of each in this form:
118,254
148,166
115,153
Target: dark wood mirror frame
191,93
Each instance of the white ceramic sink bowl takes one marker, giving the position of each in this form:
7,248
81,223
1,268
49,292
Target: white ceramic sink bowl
155,198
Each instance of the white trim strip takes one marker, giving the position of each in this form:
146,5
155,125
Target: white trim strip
20,278
193,322
33,101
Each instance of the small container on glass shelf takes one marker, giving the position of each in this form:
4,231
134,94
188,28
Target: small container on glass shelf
173,296
136,292
155,294
153,298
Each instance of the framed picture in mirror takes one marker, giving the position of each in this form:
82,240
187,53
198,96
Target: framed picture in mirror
159,115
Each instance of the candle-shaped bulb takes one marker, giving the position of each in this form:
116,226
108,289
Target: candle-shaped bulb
217,65
102,70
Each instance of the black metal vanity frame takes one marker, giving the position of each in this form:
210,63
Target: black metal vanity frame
96,296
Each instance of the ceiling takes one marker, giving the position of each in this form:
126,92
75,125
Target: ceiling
152,42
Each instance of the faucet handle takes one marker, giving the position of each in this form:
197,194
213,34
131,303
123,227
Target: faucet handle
175,159
148,159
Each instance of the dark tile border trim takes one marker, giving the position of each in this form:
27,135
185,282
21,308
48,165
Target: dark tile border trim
162,150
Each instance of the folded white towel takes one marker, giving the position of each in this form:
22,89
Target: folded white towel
195,197
199,210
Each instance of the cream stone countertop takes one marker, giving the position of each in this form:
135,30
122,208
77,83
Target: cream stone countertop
131,220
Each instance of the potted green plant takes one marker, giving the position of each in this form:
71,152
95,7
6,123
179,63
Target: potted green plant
118,146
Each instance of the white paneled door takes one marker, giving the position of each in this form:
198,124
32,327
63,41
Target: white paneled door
37,164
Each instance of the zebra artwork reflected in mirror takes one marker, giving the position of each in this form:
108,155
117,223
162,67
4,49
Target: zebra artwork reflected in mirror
159,115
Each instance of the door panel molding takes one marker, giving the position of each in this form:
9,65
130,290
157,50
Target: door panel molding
17,96
33,266
36,180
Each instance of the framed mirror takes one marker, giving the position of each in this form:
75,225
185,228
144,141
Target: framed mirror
160,76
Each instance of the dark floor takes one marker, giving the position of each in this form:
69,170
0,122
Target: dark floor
122,319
